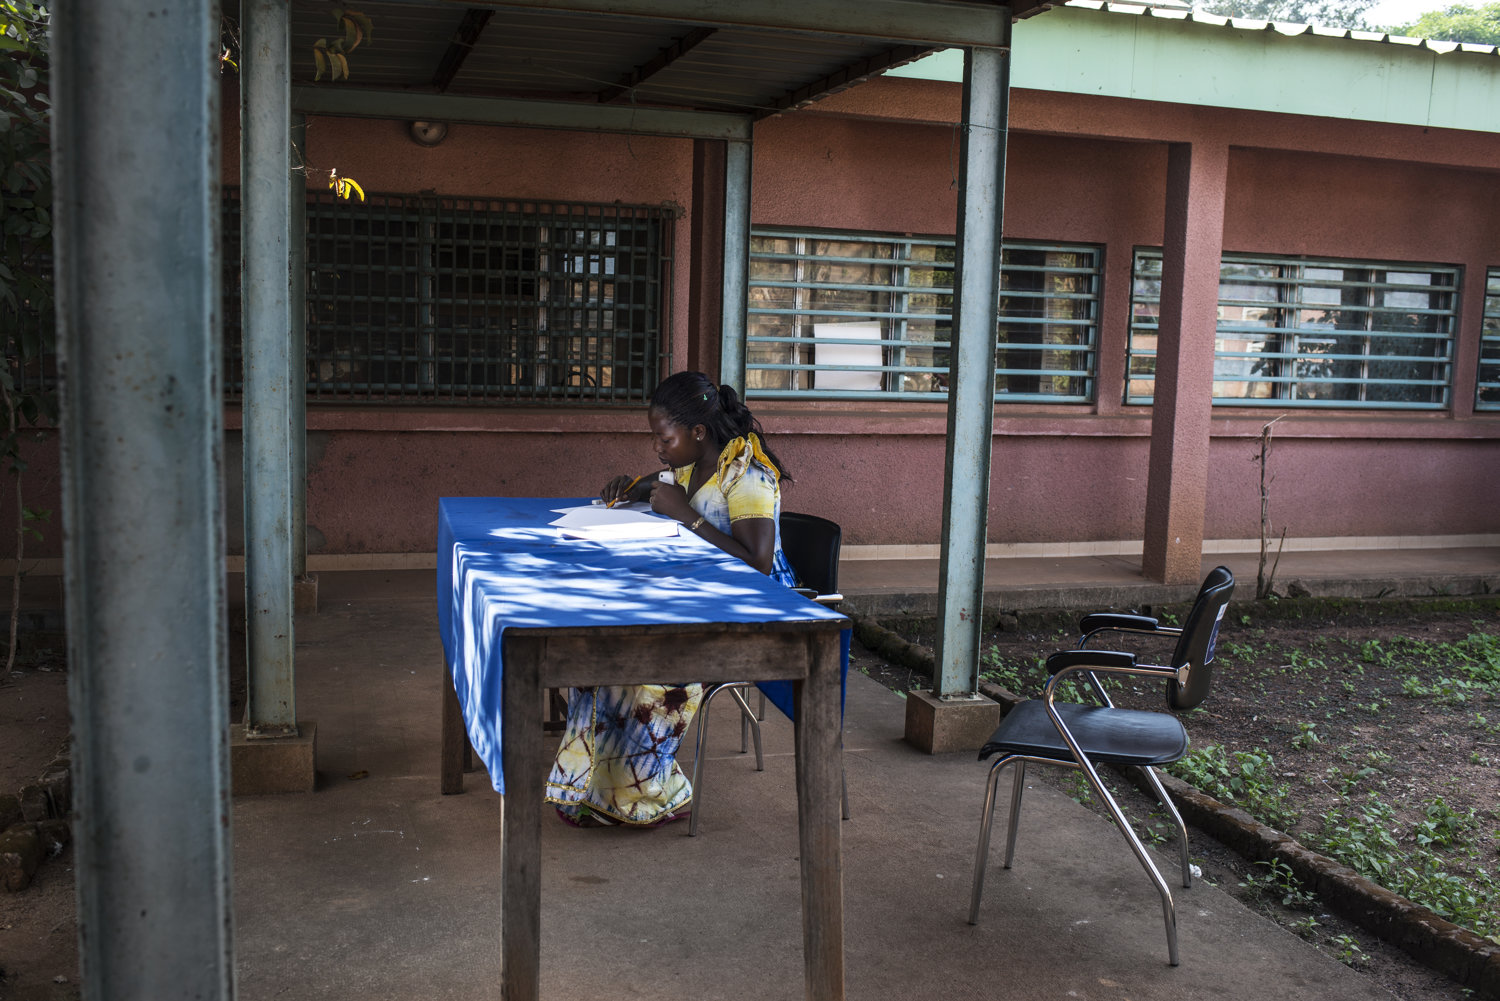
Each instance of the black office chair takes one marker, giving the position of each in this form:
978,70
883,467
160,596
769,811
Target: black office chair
811,545
1082,736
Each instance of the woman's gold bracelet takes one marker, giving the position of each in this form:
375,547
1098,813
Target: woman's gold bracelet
694,526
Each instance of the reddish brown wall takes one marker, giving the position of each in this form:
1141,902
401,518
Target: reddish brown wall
1323,487
1079,169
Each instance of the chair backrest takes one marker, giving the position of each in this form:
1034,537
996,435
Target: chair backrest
1200,634
811,545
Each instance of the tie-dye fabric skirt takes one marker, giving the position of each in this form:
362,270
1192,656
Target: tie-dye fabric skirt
617,762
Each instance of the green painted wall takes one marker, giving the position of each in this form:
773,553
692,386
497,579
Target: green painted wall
1168,57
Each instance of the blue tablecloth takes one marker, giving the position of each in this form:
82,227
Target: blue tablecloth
501,562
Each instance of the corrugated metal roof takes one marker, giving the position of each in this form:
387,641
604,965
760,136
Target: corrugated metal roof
753,57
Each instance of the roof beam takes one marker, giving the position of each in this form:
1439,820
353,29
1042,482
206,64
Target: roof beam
663,59
933,23
576,116
845,78
469,30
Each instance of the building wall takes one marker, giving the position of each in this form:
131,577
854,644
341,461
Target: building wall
882,157
1359,474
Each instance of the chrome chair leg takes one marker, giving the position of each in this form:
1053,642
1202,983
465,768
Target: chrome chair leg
982,853
1168,909
1018,786
697,780
748,722
1182,836
698,766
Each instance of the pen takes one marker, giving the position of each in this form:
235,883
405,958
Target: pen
626,491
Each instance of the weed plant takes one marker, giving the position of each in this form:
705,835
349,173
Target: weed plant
1416,860
1246,778
1278,882
1027,678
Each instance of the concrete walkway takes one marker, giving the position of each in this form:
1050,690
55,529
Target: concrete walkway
376,887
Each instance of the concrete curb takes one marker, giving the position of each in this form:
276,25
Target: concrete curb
1090,596
1469,959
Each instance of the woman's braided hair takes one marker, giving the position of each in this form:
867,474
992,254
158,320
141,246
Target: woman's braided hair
689,398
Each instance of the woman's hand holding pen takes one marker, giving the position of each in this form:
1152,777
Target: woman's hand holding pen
618,490
624,489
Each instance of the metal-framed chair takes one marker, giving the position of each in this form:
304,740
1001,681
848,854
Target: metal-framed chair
811,545
1085,735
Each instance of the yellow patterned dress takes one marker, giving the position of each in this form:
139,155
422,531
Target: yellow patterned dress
617,762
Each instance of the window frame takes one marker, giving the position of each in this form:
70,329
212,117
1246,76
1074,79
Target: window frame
1488,375
448,300
1297,343
915,265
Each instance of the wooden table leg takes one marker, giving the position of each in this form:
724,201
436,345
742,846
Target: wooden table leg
819,773
522,755
455,742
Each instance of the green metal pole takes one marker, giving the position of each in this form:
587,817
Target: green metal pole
265,124
971,393
736,265
135,152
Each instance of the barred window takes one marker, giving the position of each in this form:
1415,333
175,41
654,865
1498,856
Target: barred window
1312,333
1487,395
850,316
450,300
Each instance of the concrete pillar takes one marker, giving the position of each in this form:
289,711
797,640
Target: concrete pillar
1192,243
135,150
736,264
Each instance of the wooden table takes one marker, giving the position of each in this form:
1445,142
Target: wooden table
627,611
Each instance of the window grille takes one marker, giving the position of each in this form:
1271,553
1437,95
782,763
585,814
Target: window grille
455,300
1312,333
1487,395
851,316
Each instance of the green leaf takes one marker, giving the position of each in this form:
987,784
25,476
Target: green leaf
366,26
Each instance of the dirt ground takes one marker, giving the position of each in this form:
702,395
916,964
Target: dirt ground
1301,681
38,928
1351,719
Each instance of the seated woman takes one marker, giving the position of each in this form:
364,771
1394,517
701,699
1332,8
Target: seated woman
617,763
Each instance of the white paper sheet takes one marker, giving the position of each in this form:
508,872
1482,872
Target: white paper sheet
623,521
831,353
